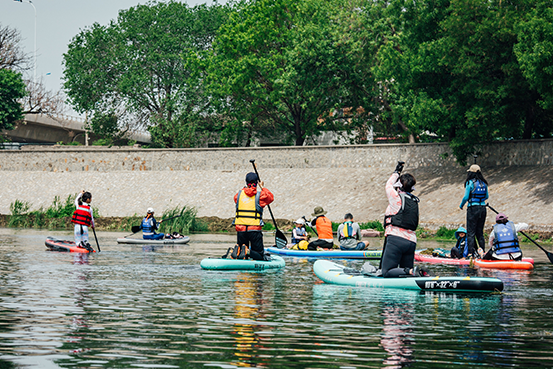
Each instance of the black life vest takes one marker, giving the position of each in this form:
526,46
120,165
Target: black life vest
408,215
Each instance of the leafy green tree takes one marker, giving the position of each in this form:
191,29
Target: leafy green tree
12,88
145,64
277,68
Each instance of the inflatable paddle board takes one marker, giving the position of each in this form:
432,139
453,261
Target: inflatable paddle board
332,254
140,241
236,264
330,272
525,263
54,244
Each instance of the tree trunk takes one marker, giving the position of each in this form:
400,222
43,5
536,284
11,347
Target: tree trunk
529,122
411,136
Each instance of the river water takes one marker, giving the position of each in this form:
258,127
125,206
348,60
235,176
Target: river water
154,307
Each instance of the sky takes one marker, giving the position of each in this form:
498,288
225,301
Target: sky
58,21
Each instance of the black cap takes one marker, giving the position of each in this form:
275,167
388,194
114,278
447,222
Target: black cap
251,178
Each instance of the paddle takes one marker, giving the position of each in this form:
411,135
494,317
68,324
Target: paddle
96,238
280,238
549,255
308,226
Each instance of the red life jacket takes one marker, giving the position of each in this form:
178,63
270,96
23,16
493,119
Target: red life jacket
82,215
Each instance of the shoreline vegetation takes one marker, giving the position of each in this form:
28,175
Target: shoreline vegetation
184,221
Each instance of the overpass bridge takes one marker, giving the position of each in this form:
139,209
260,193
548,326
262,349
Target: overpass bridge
45,129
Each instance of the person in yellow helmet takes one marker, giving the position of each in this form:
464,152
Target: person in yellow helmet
248,221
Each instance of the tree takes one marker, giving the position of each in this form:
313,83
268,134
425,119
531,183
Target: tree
145,64
277,68
12,88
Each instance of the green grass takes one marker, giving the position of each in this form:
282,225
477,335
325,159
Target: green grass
375,224
185,221
268,227
445,233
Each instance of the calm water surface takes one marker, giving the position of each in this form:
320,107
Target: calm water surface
154,307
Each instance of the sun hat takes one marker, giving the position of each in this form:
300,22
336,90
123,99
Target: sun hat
474,168
300,221
150,210
318,211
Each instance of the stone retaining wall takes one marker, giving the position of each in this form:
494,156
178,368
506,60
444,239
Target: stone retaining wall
125,181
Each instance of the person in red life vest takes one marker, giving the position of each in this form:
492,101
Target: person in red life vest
324,230
83,218
248,221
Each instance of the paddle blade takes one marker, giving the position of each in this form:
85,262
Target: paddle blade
135,229
280,240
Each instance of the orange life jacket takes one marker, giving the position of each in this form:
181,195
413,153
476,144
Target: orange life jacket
324,228
82,215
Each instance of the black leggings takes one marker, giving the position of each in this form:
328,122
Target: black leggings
253,239
398,252
320,243
476,218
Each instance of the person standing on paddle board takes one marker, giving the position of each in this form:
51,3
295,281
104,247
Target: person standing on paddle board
149,226
400,221
82,218
504,240
476,194
248,221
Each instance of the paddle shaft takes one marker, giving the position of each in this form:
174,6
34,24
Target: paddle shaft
549,255
308,226
268,206
96,238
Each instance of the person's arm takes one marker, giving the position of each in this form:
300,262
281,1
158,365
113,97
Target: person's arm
521,226
391,193
468,190
358,231
339,232
492,237
155,223
78,198
266,197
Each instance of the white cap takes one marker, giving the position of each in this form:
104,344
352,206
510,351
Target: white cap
300,221
150,210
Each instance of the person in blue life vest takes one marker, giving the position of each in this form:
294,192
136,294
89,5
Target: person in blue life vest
248,220
149,226
504,240
83,218
299,234
460,250
476,194
349,235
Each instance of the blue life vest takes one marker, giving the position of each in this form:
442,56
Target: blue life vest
479,191
148,226
299,232
506,239
462,246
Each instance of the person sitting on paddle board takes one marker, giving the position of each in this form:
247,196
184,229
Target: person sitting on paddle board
83,218
149,226
248,221
349,235
299,235
460,250
323,225
400,221
504,240
476,194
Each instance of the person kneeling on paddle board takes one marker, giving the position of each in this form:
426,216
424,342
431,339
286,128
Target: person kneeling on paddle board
460,250
504,240
149,226
401,220
248,221
83,218
323,225
349,235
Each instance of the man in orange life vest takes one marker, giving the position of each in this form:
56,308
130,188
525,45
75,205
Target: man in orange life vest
324,230
83,218
250,202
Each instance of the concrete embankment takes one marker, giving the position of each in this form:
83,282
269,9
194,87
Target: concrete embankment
126,181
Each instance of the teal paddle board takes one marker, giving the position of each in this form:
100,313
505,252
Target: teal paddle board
235,264
330,272
331,254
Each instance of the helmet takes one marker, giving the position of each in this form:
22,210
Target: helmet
150,210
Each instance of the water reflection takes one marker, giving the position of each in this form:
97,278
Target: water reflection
396,338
